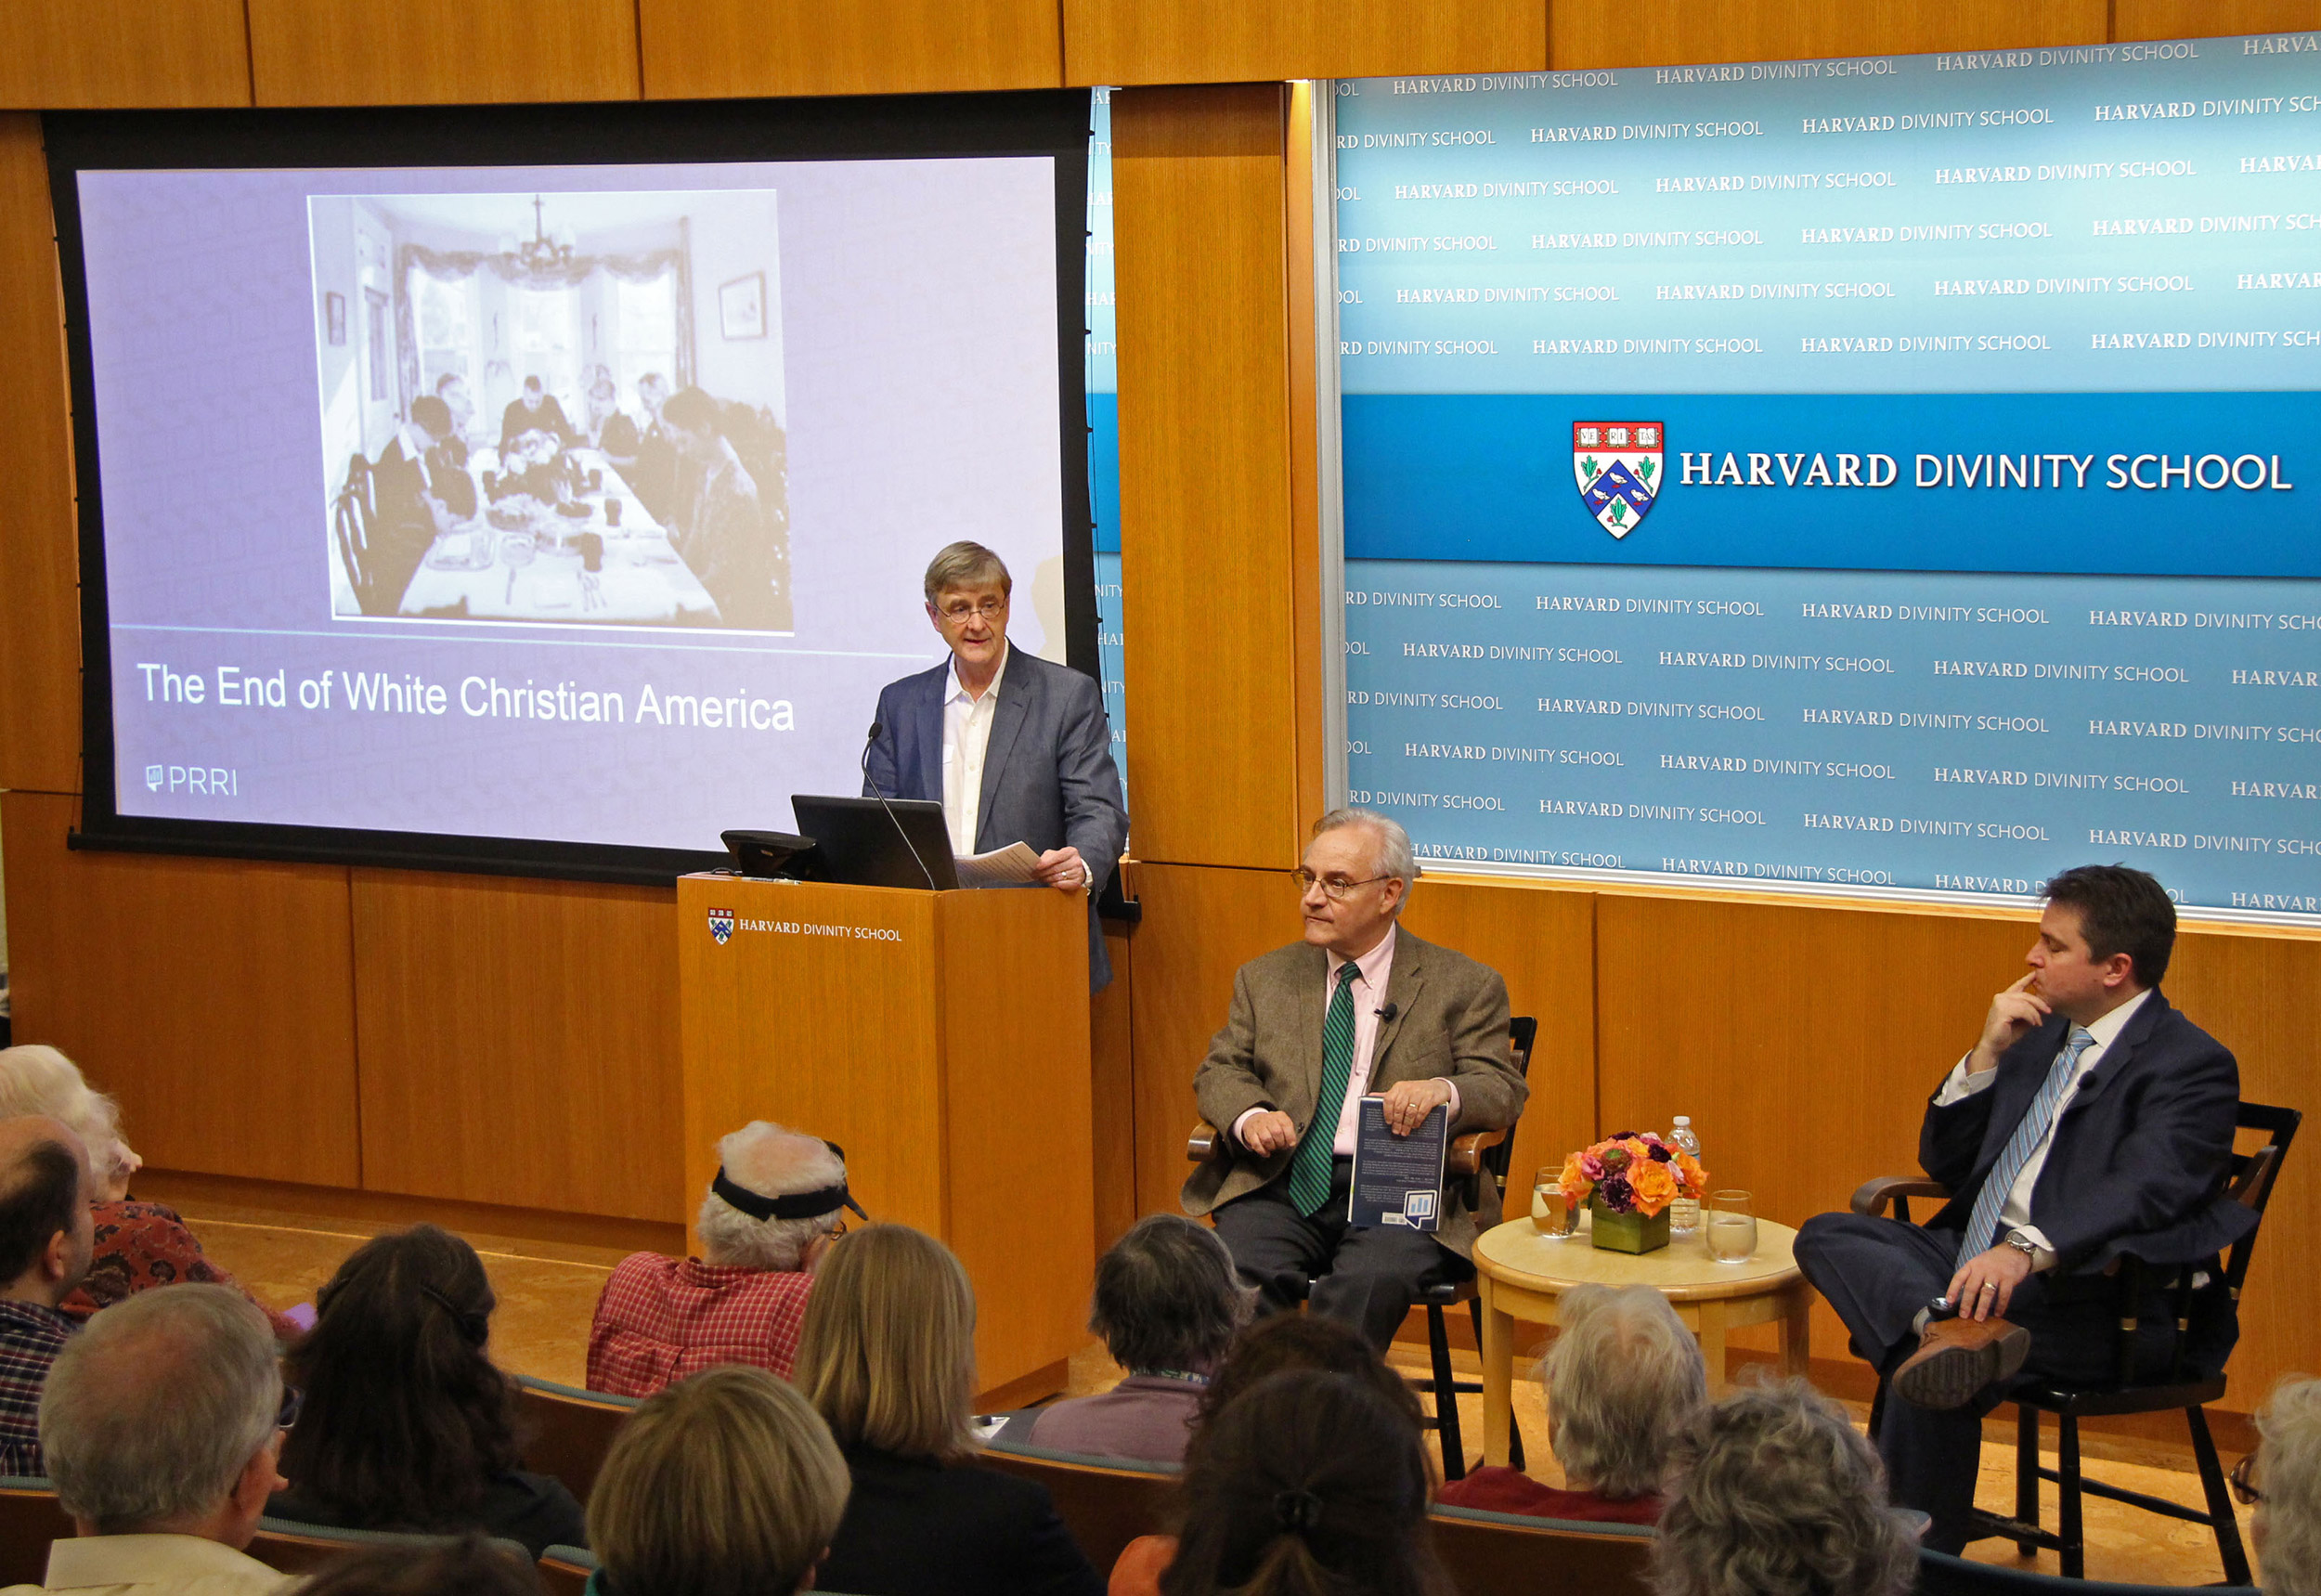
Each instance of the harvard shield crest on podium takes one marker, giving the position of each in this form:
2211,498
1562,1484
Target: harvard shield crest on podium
722,924
1618,467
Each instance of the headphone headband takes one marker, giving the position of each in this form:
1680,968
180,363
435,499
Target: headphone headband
792,1205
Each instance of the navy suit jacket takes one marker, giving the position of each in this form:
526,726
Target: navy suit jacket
1048,776
2138,1159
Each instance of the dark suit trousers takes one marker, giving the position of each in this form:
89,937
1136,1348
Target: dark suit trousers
1365,1277
1879,1273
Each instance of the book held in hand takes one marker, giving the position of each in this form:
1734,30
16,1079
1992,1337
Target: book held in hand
1397,1180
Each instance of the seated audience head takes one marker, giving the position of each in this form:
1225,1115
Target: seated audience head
723,1485
2288,1525
744,1221
1167,1298
2106,935
161,1417
1357,874
690,418
406,1420
46,1232
1776,1494
36,1079
887,1354
472,1566
1306,1484
1282,1343
1625,1384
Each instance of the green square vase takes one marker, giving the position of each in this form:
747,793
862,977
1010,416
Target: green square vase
1627,1232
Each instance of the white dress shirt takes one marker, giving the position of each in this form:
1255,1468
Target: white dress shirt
1368,996
154,1565
967,737
2015,1213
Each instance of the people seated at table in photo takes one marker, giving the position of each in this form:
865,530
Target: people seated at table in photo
2283,1477
1282,1343
1358,1009
408,1424
642,452
46,1235
447,460
722,530
777,1202
136,1245
472,1564
726,1482
1776,1494
162,1428
1167,1304
535,409
887,1359
601,404
1624,1382
408,482
537,465
1305,1485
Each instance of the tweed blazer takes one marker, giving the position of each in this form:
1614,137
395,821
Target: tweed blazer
1450,1021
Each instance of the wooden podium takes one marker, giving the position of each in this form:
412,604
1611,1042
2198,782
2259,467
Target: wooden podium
941,1038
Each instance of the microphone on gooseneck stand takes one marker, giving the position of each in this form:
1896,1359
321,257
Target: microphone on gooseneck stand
868,744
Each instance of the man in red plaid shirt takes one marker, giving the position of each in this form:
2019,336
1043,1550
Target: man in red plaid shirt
47,1236
774,1207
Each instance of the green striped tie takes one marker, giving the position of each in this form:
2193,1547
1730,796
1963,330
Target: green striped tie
1309,1171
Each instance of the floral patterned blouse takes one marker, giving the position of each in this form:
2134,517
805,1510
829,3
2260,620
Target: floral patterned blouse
142,1244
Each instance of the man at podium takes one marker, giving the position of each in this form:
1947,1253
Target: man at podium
1015,750
1359,1008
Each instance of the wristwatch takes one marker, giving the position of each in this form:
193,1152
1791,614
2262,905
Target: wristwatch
2022,1244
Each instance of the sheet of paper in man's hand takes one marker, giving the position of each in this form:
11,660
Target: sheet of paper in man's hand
1014,865
1397,1180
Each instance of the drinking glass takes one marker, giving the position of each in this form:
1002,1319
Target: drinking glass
1551,1214
1731,1223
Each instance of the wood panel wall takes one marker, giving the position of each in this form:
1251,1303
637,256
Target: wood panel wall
706,49
439,52
1219,41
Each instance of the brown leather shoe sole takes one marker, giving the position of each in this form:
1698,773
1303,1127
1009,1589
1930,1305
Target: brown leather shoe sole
1959,1360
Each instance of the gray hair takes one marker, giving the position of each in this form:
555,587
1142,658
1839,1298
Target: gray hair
965,564
1778,1495
2289,1520
1167,1297
1625,1383
773,1162
1395,858
36,1079
151,1413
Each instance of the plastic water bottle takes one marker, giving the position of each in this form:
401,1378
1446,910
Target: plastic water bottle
1684,1214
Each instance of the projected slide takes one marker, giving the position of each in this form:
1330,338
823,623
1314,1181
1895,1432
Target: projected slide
584,504
1893,475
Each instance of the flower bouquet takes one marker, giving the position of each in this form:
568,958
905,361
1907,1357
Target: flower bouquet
1627,1182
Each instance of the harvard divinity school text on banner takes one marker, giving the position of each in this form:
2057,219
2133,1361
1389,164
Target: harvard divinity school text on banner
1897,474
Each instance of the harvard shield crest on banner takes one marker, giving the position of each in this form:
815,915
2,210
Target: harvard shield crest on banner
1618,467
721,926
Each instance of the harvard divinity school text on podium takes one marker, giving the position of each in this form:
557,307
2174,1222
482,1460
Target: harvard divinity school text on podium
941,1039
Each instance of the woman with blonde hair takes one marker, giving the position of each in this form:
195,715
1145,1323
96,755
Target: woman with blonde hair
138,1244
726,1483
886,1356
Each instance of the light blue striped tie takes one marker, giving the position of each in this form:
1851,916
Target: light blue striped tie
1982,1228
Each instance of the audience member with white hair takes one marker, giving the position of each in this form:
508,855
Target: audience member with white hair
1776,1494
138,1244
45,1192
1625,1384
162,1423
776,1203
2287,1487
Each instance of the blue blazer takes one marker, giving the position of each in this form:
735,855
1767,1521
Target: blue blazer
1048,776
2138,1157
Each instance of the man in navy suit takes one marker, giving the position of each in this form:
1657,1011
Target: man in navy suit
1014,748
2091,1120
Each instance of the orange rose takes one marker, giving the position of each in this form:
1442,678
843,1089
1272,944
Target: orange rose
1655,1187
1575,1181
1695,1177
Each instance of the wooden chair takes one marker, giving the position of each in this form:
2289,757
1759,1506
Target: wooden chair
1501,1554
1943,1575
31,1517
351,518
569,1429
565,1570
1106,1503
1472,1159
2248,1181
288,1547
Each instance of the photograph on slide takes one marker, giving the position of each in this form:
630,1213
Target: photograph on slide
560,409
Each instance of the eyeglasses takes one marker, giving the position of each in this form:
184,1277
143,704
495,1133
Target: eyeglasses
958,612
287,1414
2243,1478
1335,887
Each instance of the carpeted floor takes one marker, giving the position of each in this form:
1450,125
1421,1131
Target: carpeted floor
548,1290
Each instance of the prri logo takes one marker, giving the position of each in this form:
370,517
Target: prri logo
721,926
1618,467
